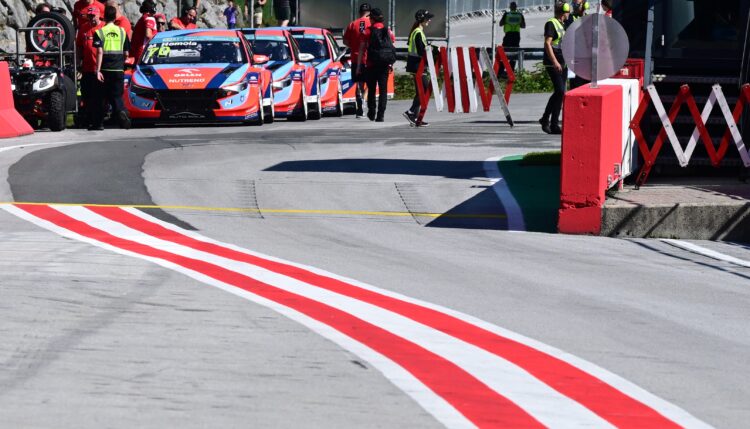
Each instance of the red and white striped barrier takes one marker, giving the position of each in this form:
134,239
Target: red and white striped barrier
685,96
462,70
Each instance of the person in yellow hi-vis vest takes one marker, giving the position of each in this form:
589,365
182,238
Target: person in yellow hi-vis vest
512,22
553,61
417,48
112,45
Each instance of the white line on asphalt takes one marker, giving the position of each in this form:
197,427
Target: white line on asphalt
500,186
707,252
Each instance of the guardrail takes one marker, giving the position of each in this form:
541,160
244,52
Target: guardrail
459,8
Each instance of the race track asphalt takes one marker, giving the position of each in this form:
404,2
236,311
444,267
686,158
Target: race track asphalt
93,338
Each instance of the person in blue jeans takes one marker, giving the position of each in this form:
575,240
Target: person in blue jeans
231,13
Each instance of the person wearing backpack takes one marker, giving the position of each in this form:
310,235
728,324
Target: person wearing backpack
417,49
381,54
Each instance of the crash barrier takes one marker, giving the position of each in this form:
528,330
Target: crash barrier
462,70
12,123
685,97
598,151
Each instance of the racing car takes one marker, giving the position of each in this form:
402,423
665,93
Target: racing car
198,76
296,89
334,66
334,78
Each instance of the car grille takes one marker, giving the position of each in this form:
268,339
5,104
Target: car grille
187,104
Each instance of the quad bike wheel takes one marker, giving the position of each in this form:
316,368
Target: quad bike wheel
56,114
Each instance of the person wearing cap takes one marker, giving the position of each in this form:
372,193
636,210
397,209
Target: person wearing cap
112,45
257,18
161,22
577,11
512,22
86,55
186,21
553,61
354,39
145,29
417,48
376,41
80,14
121,21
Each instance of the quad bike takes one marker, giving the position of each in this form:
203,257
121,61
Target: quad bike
43,76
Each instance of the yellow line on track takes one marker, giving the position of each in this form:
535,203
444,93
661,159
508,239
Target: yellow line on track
280,211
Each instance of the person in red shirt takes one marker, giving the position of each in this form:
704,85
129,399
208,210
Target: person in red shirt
186,21
121,21
354,39
80,11
145,29
87,61
375,70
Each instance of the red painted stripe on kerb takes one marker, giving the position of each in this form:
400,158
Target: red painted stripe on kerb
472,398
603,399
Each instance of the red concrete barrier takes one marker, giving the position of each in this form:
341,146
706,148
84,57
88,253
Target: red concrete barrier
12,124
591,156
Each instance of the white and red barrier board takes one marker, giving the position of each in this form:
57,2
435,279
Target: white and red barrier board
591,155
12,124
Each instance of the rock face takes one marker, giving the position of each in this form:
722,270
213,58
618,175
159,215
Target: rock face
17,13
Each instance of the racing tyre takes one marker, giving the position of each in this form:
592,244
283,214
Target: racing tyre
46,41
56,113
270,113
339,112
261,111
316,109
302,117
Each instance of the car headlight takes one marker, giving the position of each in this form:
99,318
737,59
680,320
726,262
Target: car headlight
278,86
142,92
44,83
234,89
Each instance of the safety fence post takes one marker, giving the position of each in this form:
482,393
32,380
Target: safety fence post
12,124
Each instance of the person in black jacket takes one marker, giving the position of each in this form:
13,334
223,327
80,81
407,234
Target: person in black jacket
377,69
553,61
417,48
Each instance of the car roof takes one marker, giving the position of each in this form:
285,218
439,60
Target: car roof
208,34
277,31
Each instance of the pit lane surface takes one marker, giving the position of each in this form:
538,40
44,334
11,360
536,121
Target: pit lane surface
94,338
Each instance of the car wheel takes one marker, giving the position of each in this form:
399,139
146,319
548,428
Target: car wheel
56,114
302,117
270,113
339,112
317,109
261,119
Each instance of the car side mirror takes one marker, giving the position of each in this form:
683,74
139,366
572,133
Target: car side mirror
260,59
306,58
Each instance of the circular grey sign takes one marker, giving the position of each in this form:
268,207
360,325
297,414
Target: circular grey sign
578,42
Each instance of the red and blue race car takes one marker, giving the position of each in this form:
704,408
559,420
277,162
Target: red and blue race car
198,76
296,90
334,77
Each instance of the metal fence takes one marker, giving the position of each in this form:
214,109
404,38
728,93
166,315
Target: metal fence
462,7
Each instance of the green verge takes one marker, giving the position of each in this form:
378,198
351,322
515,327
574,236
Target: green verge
534,181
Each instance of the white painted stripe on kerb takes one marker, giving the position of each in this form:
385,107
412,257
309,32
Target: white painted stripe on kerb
500,186
545,404
707,252
667,409
404,380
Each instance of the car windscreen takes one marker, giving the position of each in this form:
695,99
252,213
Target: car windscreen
315,46
276,49
194,52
